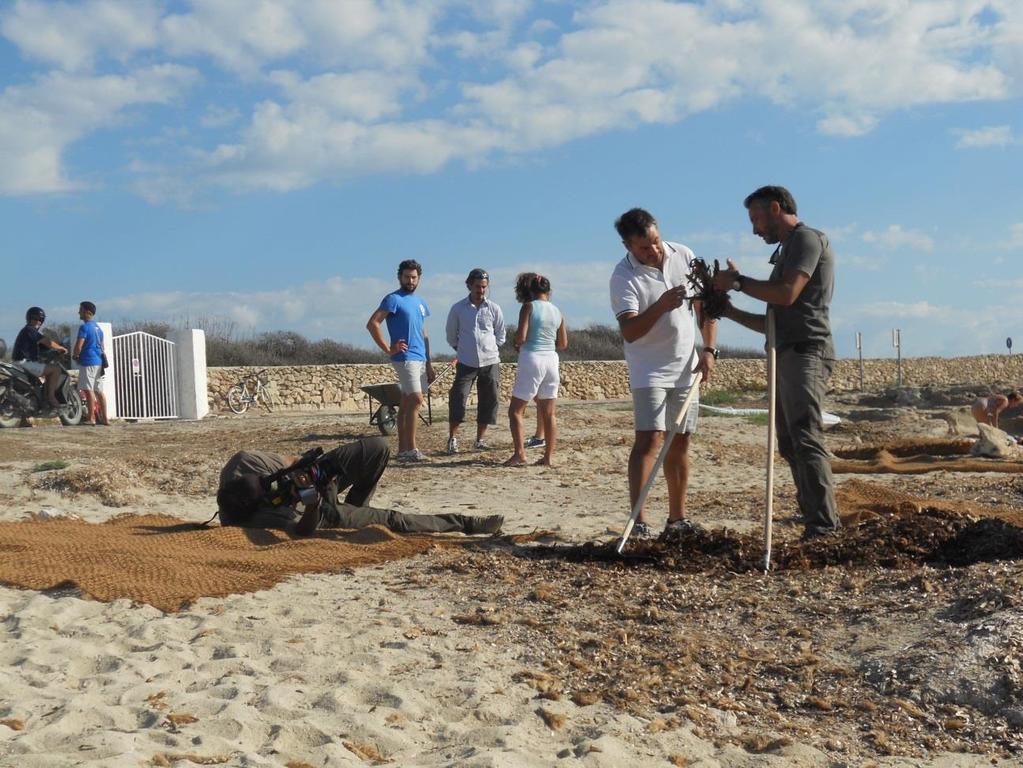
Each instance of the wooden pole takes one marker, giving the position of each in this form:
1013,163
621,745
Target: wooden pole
772,404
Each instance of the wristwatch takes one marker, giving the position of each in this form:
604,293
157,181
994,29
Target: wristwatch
737,283
713,350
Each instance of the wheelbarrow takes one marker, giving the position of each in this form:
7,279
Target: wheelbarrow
388,396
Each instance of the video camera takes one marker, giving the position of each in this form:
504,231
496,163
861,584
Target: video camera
280,487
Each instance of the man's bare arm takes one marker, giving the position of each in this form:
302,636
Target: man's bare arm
750,320
781,293
709,334
635,325
373,325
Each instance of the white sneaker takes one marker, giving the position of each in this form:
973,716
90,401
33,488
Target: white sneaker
413,454
452,446
481,445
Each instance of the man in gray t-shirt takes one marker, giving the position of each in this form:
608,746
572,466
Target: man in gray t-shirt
798,294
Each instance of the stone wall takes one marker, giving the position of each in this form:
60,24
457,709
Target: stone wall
338,387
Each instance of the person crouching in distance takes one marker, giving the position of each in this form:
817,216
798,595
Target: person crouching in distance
986,410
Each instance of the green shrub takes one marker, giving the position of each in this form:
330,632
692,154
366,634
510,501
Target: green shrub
47,466
721,397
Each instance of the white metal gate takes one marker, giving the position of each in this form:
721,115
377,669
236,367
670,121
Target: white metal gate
144,377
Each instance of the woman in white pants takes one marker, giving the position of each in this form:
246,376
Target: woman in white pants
541,333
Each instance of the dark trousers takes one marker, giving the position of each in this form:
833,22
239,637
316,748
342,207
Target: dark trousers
803,372
359,466
488,389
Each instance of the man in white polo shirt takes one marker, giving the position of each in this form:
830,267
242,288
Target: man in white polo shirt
648,296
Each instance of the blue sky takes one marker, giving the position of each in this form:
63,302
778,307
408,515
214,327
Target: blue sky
265,164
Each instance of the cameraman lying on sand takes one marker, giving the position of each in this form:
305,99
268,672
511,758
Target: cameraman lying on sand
255,493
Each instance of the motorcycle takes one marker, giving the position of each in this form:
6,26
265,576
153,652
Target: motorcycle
23,395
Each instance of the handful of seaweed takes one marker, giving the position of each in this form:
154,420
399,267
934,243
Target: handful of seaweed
701,287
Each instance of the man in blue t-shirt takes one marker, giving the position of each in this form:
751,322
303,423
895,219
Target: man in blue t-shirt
88,353
409,350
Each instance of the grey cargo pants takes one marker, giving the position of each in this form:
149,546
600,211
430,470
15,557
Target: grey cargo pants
803,372
359,466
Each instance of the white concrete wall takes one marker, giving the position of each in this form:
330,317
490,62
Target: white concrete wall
190,365
107,382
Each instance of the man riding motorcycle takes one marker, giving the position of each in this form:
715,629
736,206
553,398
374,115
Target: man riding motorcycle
26,353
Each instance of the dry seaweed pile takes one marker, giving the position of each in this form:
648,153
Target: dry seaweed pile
865,644
910,456
127,483
904,447
896,532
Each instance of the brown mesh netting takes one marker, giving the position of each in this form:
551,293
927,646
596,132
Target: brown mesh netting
168,563
916,457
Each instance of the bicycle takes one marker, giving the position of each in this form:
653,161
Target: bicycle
241,396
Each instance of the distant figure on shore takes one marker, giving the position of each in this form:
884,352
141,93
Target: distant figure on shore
541,333
985,410
475,330
409,350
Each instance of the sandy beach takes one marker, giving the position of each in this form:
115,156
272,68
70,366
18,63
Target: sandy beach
486,656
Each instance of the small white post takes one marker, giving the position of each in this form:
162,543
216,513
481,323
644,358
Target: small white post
190,365
897,343
859,349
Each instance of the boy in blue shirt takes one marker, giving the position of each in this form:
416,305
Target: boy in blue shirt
409,350
88,353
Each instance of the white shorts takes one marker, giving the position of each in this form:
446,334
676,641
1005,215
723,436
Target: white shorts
537,376
89,376
32,366
654,407
411,375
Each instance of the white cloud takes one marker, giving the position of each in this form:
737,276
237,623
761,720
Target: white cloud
337,307
895,238
991,136
39,121
605,75
353,75
366,96
930,329
241,35
247,35
217,116
846,125
1015,240
865,263
999,284
73,36
898,310
333,308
